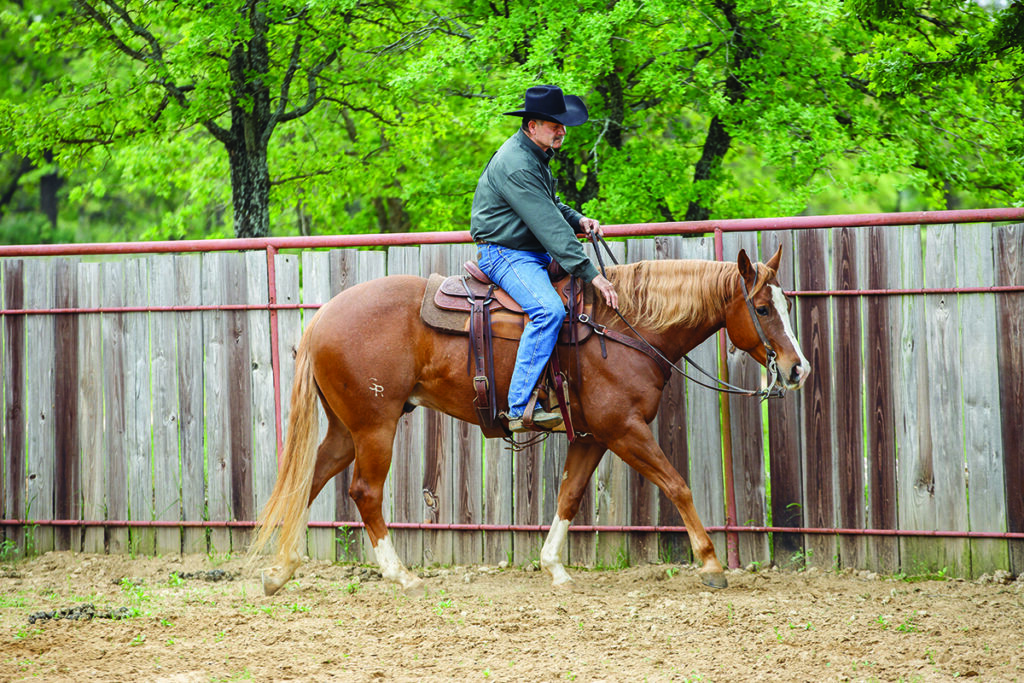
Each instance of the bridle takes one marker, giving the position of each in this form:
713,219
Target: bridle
775,388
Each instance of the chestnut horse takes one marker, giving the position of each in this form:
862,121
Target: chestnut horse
369,358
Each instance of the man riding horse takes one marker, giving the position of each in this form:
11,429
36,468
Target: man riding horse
520,225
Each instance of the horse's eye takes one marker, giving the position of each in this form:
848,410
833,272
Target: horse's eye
762,311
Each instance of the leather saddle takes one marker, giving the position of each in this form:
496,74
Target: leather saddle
473,305
454,295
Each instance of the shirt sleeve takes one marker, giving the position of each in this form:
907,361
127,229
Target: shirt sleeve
572,216
526,193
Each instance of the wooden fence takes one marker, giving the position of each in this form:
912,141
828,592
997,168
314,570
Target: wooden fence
910,422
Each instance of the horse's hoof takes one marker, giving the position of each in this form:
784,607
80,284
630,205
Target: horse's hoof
567,586
415,589
714,579
270,584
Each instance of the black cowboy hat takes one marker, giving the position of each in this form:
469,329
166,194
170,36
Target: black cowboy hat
548,103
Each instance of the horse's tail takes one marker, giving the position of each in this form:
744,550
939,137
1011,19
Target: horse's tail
285,510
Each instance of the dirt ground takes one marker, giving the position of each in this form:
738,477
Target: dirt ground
199,618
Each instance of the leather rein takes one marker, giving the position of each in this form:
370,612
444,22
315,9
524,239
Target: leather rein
774,390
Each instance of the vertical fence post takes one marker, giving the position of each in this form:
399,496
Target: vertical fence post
275,358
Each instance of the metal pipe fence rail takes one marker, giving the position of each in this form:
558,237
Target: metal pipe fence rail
144,404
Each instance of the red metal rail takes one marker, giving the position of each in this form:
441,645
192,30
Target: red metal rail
272,245
543,528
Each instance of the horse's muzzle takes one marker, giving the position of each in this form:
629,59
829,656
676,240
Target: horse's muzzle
798,374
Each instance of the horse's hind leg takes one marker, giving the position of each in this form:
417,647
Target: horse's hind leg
580,463
334,454
373,460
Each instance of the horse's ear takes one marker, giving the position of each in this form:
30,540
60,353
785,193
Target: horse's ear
773,262
746,270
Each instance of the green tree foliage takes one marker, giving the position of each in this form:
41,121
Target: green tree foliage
351,116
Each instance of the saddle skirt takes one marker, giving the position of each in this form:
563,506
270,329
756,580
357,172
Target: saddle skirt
446,305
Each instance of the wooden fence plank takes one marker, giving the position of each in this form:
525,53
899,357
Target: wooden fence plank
942,326
468,482
1009,265
39,406
883,552
849,402
138,414
704,417
748,452
115,425
189,332
264,428
67,474
982,436
239,383
529,494
13,500
316,289
816,399
166,407
784,429
89,411
351,543
217,411
498,501
913,426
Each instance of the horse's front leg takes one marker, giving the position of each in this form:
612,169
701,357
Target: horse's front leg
580,464
638,449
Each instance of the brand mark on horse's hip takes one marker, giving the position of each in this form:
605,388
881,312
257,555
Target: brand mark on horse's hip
376,388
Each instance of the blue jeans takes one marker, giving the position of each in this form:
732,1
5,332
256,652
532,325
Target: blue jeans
524,275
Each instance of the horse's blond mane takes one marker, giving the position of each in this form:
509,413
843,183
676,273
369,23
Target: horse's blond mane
656,295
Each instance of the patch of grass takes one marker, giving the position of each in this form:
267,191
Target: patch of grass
135,590
17,600
940,575
347,540
801,559
24,632
908,625
8,549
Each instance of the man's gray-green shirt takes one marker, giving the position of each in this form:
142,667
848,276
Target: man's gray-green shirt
515,206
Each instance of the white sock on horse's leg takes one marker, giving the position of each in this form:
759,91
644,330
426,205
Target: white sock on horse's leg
391,567
551,553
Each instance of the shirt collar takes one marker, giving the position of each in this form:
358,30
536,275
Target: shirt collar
544,156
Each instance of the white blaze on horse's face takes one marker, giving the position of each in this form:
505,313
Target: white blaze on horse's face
794,377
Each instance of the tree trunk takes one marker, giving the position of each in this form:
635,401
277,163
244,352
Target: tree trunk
718,140
49,184
250,132
7,196
716,145
391,215
250,190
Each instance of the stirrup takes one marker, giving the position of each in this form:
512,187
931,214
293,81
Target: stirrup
542,421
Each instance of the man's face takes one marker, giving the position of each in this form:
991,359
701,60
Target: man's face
547,134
